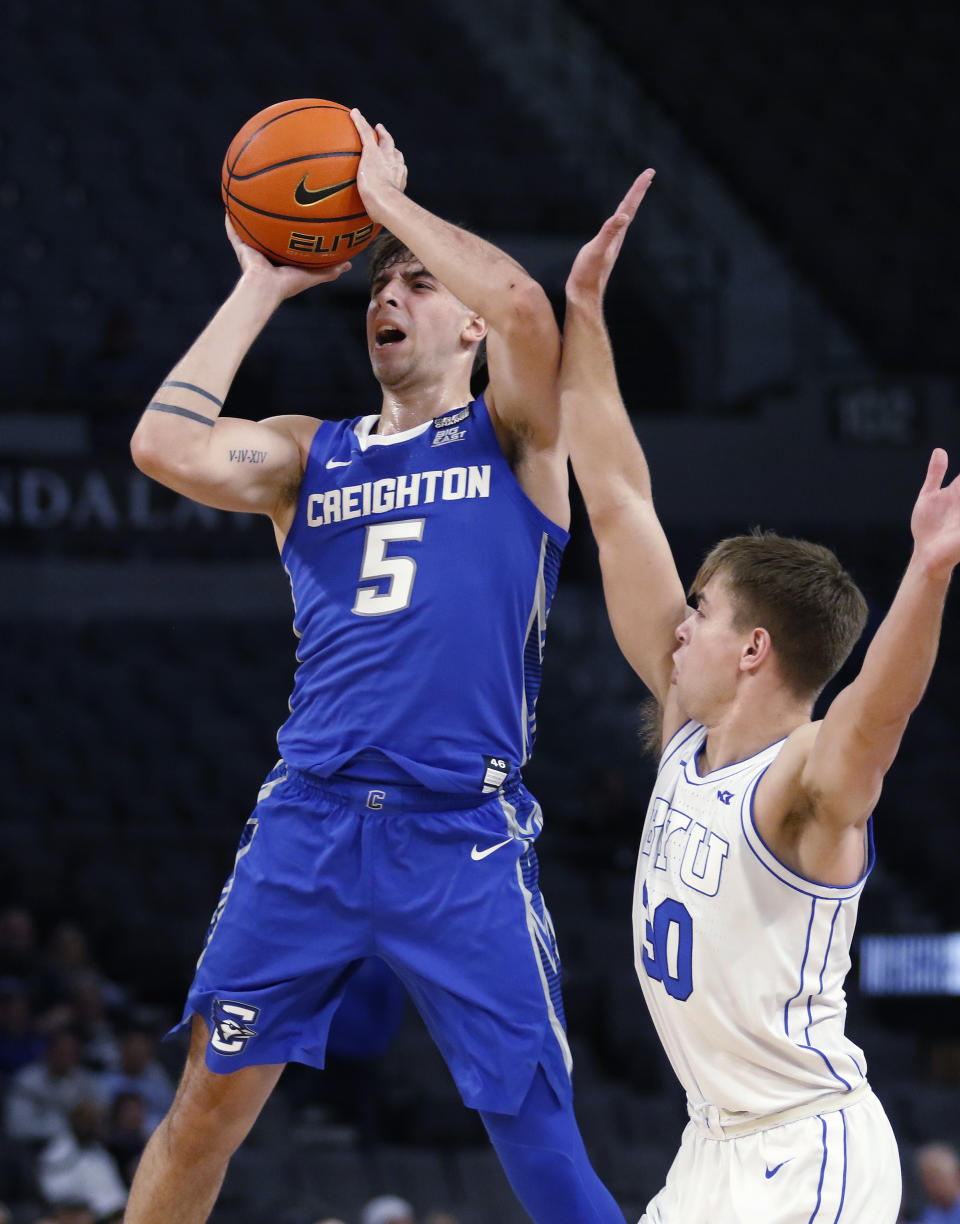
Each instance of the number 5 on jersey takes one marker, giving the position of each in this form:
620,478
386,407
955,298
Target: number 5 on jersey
379,568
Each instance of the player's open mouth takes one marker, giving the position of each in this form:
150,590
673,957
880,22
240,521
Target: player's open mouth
389,335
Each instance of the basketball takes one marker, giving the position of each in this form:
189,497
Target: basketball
289,183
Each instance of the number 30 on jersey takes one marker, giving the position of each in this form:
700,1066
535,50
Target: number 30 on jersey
668,946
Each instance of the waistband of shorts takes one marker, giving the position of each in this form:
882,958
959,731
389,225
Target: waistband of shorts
386,796
811,1109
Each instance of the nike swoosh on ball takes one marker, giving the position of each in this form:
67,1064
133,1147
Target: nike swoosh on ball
303,194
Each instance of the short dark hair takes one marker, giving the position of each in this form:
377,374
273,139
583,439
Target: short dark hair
387,250
800,593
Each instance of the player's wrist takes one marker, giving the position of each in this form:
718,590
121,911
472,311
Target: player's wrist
930,566
259,289
586,305
380,199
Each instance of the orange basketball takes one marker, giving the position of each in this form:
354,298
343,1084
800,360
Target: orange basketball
289,182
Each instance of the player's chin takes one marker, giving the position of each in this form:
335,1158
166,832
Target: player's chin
388,365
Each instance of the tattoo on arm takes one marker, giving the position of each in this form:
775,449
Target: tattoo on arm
193,387
178,411
185,412
247,456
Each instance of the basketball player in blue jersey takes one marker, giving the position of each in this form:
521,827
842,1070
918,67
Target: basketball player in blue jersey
757,839
422,543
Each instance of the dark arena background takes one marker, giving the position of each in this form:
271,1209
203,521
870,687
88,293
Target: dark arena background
785,323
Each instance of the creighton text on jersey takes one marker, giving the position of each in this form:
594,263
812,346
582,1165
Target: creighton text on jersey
396,493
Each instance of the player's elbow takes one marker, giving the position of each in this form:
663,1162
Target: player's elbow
155,457
142,450
528,313
146,453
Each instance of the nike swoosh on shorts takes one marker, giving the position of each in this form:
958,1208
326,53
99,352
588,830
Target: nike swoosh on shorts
770,1172
477,855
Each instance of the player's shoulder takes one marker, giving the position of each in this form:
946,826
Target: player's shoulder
797,745
294,426
780,794
792,753
300,430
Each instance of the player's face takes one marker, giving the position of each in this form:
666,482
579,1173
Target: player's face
415,327
706,661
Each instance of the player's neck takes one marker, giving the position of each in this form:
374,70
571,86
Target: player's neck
406,407
744,729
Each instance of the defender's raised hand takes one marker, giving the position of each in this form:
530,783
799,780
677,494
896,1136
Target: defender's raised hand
591,269
381,168
935,522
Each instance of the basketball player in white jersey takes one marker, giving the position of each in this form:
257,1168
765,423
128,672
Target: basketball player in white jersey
758,839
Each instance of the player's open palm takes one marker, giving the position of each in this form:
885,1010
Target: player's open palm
935,522
591,269
279,281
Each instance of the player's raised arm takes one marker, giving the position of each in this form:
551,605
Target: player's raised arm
861,732
183,442
523,340
644,595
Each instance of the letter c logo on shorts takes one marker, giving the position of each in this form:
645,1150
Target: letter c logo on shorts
375,799
231,1026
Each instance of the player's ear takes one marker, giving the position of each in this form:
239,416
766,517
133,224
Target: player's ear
474,329
759,646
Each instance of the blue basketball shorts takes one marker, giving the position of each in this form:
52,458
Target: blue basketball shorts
331,871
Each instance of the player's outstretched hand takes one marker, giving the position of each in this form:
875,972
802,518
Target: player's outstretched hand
381,168
283,280
935,521
591,269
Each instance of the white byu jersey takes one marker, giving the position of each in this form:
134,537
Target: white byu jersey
741,960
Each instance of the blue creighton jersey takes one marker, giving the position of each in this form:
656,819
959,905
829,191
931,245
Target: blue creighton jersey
422,575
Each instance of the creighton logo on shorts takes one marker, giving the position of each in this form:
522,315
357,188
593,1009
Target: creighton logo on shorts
231,1030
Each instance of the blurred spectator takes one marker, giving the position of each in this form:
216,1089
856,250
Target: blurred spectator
387,1209
88,1011
18,1181
5,1216
139,1072
73,1212
18,942
938,1165
42,1094
76,1167
68,958
20,959
440,1217
20,1040
127,1132
18,953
